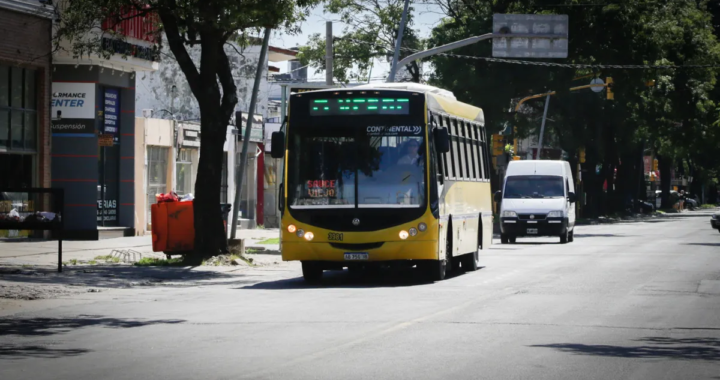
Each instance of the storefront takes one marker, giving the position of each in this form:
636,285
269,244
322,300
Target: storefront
93,136
24,95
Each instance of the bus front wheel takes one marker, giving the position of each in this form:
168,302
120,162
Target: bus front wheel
312,272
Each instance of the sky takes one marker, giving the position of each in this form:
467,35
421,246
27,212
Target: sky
425,18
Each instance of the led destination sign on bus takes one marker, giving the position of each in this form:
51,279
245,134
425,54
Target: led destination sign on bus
360,106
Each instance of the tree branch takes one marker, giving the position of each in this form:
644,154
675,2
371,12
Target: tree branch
224,72
175,41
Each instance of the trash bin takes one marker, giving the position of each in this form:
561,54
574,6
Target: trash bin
225,211
173,228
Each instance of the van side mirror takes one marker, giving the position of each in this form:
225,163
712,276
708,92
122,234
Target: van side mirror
277,145
572,197
498,196
442,140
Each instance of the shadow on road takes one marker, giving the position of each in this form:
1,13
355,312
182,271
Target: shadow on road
43,327
10,352
52,326
345,279
120,276
653,348
705,244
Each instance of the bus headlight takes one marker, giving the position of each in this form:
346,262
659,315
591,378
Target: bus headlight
292,228
403,234
413,231
300,233
422,227
309,236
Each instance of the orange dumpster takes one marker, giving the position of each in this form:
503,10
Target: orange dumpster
172,227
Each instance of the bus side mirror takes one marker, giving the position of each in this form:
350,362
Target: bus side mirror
442,140
498,196
277,145
572,197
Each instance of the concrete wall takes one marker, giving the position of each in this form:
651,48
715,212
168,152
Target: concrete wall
154,89
150,132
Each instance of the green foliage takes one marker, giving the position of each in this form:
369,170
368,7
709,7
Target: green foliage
155,262
677,118
371,27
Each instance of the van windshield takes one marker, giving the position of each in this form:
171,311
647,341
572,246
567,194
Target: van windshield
534,186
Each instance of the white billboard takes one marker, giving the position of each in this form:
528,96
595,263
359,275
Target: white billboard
73,100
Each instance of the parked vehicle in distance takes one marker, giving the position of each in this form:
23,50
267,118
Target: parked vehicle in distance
537,200
715,221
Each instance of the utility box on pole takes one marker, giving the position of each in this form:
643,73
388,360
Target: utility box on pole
528,47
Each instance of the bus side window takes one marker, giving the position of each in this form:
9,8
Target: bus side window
435,158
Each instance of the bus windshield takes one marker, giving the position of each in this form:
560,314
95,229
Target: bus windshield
357,167
534,186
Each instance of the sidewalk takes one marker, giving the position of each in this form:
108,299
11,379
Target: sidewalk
22,252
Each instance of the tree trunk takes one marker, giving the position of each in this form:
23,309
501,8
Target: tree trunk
210,237
216,108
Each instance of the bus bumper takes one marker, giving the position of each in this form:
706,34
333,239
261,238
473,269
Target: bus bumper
389,251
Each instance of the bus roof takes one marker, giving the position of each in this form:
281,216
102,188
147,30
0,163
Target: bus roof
409,86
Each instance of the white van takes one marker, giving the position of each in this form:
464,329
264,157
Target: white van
537,200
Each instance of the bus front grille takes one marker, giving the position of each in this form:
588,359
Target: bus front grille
356,247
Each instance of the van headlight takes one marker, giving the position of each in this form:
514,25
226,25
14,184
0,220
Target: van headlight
555,214
509,214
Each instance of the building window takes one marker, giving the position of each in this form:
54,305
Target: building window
157,174
18,109
183,172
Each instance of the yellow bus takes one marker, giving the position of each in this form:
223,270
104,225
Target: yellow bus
388,174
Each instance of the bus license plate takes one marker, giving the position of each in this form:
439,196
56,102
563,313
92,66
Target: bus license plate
532,231
356,256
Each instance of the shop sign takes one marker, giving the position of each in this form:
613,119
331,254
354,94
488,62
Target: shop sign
73,100
105,140
256,131
131,50
111,125
107,210
73,126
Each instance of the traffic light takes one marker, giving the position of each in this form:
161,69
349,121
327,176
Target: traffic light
610,84
497,145
655,165
582,155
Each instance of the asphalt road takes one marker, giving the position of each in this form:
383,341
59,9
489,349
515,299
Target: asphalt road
624,301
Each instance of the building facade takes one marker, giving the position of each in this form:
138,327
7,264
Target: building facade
93,132
25,81
165,94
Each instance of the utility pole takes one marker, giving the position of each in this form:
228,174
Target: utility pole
465,42
398,43
542,126
328,53
246,137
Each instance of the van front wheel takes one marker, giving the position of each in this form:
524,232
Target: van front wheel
564,238
504,239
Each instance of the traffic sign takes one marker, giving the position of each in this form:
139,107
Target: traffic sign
524,47
597,81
